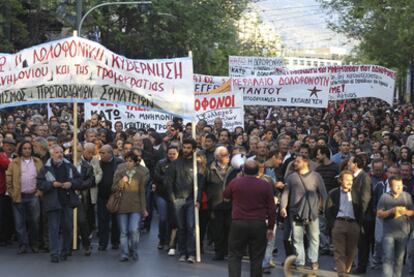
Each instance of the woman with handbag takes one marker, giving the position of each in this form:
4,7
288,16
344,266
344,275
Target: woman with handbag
130,180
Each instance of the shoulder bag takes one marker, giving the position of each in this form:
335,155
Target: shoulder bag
308,206
114,201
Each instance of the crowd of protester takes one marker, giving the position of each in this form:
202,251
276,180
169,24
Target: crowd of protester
341,181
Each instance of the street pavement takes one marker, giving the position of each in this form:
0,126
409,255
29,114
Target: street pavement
152,262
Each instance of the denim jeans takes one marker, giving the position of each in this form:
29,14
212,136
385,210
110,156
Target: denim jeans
410,252
377,257
162,207
185,226
60,219
128,225
27,213
312,232
393,255
324,238
269,249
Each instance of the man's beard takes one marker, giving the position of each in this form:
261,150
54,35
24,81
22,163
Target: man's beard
57,161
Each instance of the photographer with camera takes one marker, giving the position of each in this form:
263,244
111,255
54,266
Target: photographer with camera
302,200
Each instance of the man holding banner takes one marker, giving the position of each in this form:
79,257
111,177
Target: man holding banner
179,183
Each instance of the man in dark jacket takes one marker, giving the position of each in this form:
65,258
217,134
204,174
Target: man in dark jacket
344,217
209,147
329,172
362,184
220,210
41,150
109,164
88,181
180,178
161,195
58,181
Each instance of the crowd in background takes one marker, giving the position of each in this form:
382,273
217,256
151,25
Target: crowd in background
352,164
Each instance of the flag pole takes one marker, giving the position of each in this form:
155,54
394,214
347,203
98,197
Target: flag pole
75,161
196,209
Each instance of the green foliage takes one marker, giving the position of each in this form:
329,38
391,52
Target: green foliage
172,28
13,30
166,28
384,29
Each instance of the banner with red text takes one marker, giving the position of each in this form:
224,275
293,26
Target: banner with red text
287,90
356,81
241,66
130,116
77,69
214,98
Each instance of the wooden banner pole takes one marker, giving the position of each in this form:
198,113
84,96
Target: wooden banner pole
196,209
75,160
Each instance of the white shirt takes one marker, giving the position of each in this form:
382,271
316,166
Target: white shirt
346,209
357,173
287,156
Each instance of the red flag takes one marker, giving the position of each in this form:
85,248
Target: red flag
341,108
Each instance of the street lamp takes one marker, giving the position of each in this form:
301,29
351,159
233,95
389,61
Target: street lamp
108,4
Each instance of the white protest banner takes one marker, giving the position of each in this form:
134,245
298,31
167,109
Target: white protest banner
79,69
130,116
240,66
358,81
287,90
214,98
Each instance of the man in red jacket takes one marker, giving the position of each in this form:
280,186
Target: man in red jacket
253,219
6,212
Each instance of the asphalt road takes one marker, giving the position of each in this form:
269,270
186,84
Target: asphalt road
152,262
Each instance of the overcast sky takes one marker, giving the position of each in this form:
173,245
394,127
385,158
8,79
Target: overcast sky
301,23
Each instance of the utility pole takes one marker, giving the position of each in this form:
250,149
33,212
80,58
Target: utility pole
7,24
78,13
410,83
79,26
